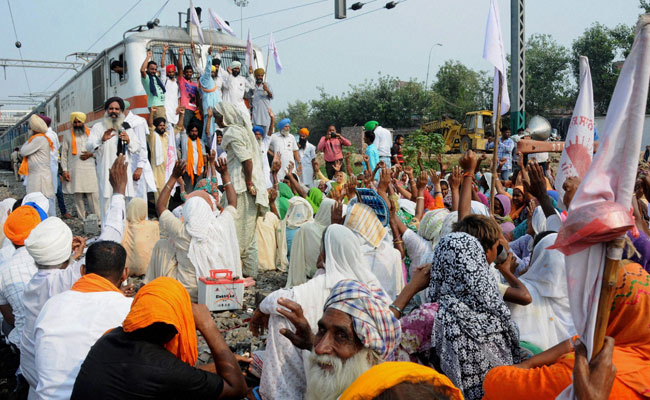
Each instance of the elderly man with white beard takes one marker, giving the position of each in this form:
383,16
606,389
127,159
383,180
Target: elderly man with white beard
356,332
107,139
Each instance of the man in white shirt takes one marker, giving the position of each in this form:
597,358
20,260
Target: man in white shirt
235,86
50,245
383,140
17,271
103,141
72,321
307,153
172,94
54,161
285,144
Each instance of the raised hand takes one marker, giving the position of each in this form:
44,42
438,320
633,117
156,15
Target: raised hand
468,161
118,176
221,166
273,194
179,168
456,178
277,163
423,179
212,156
108,134
337,213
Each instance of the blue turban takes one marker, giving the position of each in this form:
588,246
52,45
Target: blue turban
258,129
283,123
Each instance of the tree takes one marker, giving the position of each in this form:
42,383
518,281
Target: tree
461,89
298,112
602,45
547,75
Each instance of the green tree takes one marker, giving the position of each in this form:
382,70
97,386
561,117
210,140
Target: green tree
602,46
460,90
547,75
298,112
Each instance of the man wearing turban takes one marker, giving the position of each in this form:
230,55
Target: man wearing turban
36,166
210,84
284,143
153,354
103,142
383,140
262,96
78,166
51,244
18,269
307,153
140,167
235,86
357,331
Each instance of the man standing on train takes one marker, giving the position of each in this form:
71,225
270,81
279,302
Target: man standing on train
235,86
171,92
78,166
107,138
153,86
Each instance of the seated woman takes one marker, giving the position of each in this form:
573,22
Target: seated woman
140,236
547,374
299,213
305,246
473,331
547,320
377,248
195,245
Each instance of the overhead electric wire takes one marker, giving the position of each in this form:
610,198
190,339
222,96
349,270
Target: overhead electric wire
156,15
20,52
98,39
284,9
294,25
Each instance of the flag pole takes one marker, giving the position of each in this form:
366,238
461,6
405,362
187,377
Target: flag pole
266,69
610,274
497,134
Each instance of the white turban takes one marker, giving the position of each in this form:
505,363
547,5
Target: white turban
50,243
39,199
36,124
235,64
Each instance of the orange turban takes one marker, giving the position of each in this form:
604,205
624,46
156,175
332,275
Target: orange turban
384,376
304,131
166,300
20,223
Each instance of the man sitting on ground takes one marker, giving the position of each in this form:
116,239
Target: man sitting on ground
357,331
153,353
72,321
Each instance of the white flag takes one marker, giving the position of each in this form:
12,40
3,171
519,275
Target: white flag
607,185
220,23
194,20
273,48
249,50
494,53
579,142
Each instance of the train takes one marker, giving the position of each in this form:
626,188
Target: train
89,88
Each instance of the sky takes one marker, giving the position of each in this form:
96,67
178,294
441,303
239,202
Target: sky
396,42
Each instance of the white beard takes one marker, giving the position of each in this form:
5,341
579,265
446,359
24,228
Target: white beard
328,385
115,124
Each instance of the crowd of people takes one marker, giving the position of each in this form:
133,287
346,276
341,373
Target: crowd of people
401,281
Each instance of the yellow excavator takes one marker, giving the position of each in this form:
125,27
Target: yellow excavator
462,137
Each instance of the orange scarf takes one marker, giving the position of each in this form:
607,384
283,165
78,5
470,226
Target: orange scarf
24,166
190,158
628,325
74,140
166,300
91,283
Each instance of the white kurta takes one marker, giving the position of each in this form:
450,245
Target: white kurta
54,158
307,155
49,282
40,173
139,159
105,154
83,175
67,327
234,89
171,99
285,145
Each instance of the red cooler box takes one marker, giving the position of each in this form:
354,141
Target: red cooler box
220,292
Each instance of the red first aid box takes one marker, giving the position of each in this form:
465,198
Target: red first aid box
219,292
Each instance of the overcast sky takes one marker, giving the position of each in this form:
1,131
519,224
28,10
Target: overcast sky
394,42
